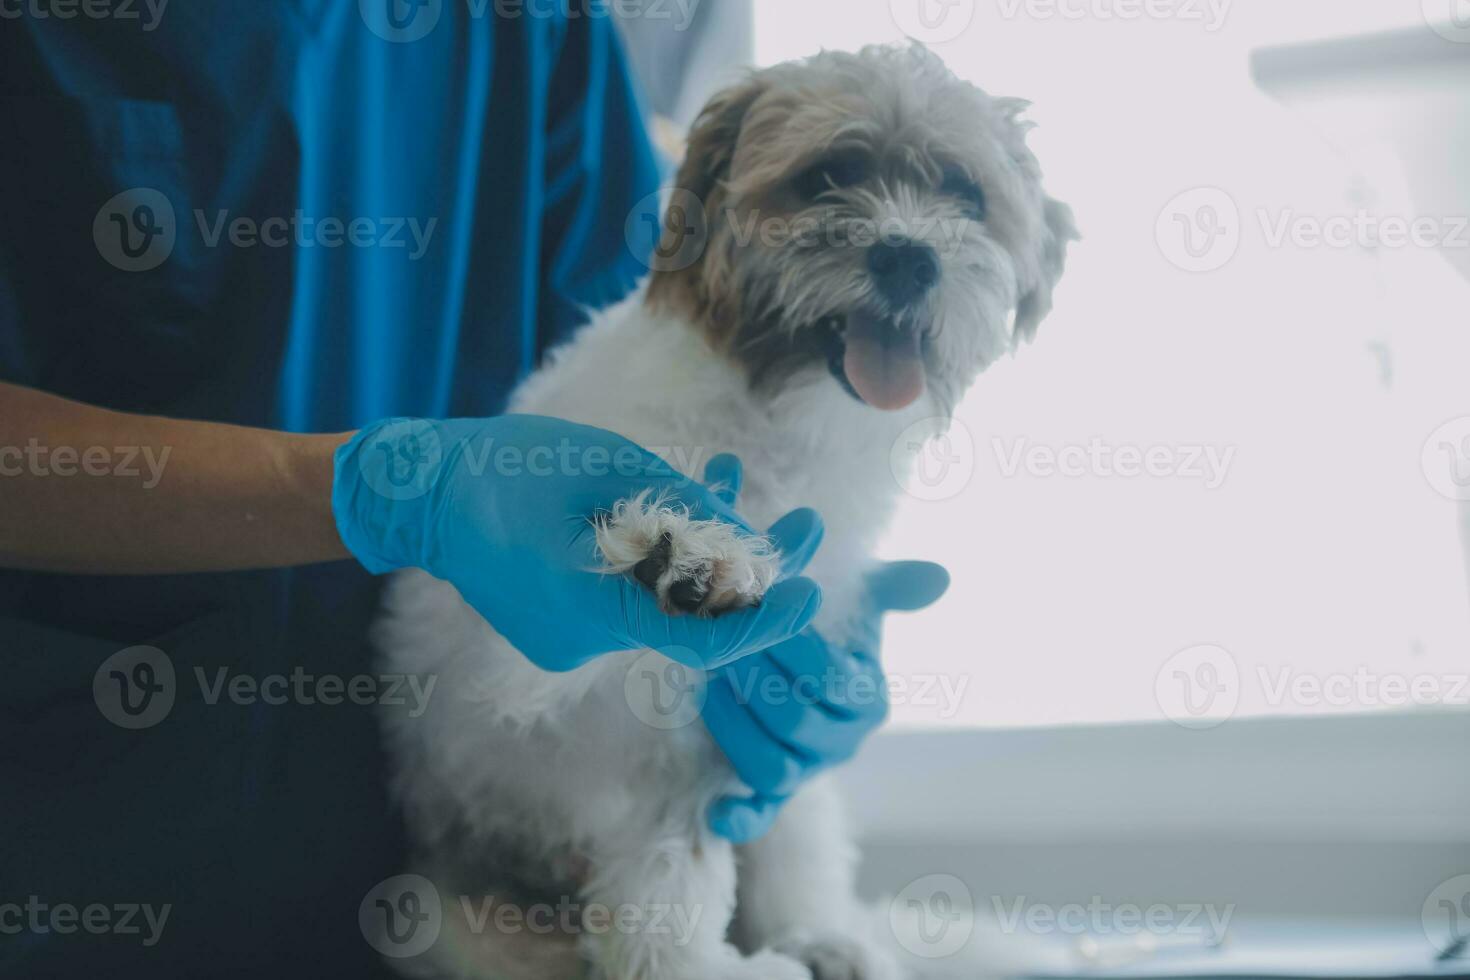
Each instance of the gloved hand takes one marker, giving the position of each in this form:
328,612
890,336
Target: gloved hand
502,508
802,706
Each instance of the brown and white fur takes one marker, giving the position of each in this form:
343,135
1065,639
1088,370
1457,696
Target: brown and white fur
535,786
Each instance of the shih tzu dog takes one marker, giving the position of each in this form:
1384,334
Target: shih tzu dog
870,233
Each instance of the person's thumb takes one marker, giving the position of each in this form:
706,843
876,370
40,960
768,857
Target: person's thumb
797,536
724,476
741,820
903,586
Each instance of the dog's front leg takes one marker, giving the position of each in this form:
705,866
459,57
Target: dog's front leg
665,909
798,892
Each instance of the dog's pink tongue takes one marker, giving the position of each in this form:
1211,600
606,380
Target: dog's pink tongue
883,364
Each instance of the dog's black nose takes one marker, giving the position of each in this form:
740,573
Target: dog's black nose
903,271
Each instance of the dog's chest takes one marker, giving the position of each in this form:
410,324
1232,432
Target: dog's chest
806,446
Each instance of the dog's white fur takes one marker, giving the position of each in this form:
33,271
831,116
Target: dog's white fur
552,781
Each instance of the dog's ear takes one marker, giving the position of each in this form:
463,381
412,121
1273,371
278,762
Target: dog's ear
714,135
706,166
1060,230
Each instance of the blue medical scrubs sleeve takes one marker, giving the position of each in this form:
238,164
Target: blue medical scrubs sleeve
601,176
207,747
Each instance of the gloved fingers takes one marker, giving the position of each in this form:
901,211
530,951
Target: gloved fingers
763,762
787,609
742,820
826,717
709,644
724,476
797,536
858,684
703,504
904,586
807,654
810,696
867,692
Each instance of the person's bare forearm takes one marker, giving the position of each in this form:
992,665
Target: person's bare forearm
83,489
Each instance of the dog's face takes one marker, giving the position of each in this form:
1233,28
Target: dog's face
868,217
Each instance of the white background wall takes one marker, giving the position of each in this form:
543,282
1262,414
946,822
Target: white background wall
1322,370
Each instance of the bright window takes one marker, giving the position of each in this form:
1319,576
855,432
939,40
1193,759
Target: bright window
1290,396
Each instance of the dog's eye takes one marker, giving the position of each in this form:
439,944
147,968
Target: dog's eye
958,185
831,174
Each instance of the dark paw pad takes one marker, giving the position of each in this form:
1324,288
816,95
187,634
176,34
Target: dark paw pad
685,595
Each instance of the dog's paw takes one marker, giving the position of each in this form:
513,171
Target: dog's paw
693,566
842,958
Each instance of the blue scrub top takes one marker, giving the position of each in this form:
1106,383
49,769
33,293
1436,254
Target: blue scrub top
300,214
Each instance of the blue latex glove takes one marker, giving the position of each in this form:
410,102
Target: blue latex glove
502,508
802,706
